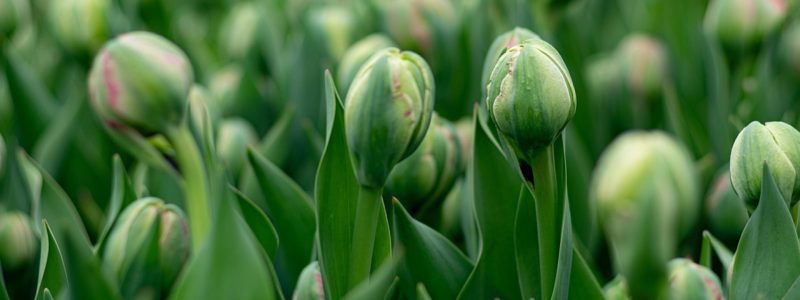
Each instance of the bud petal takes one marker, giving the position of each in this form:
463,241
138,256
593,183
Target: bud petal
688,280
358,54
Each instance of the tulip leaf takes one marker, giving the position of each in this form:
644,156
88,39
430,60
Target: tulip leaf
275,144
52,275
86,279
32,103
258,222
496,195
561,286
229,265
422,292
431,259
767,259
711,243
293,213
527,246
122,194
17,190
794,291
336,193
3,290
380,283
52,146
582,282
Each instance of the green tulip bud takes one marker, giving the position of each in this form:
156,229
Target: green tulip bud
741,25
140,80
645,66
500,45
420,24
425,177
333,27
358,54
245,32
12,14
18,243
309,285
234,136
387,112
688,280
81,26
617,289
202,102
777,144
726,213
645,188
530,96
133,231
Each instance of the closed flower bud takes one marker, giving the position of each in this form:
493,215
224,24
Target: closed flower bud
645,63
425,177
420,24
234,136
309,285
358,54
688,280
333,28
132,232
500,45
12,14
245,32
726,213
645,187
530,96
741,25
777,144
617,289
387,112
140,80
18,243
81,26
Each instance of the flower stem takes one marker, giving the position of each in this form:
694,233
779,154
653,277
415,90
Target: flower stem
196,184
366,223
548,213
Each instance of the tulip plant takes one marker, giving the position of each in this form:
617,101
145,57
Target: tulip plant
414,149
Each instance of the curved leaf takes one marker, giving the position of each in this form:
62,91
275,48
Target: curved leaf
258,222
122,194
52,276
336,192
431,259
767,260
85,277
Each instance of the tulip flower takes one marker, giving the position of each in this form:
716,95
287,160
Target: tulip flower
741,25
309,285
18,243
82,26
688,280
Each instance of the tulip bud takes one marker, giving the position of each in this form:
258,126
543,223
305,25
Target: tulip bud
387,112
726,213
645,63
245,32
777,144
333,27
617,289
358,54
234,136
425,177
140,80
81,26
530,96
12,14
688,280
420,24
645,187
18,243
309,285
741,25
500,45
203,102
132,233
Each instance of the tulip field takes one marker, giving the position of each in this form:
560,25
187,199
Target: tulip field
399,149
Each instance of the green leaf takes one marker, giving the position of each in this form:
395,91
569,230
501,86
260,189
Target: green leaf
767,259
380,283
32,103
422,292
17,190
794,291
562,286
336,193
52,275
725,256
526,243
258,222
229,265
582,283
55,141
275,144
85,277
430,258
122,194
3,290
496,196
293,213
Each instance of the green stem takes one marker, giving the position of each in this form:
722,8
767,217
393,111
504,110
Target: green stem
545,189
366,223
196,183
